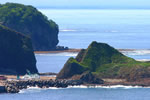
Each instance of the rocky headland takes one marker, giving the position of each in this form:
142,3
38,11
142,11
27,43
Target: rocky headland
31,22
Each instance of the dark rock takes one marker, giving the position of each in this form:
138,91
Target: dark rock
2,89
16,53
16,86
89,78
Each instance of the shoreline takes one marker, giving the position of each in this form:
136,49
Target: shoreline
46,80
17,85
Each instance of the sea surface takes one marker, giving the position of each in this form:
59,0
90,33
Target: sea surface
81,93
125,29
118,28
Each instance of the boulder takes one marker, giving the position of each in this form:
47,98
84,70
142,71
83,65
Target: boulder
88,77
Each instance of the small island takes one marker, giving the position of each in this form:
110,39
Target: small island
102,62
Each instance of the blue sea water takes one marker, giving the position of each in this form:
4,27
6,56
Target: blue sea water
55,61
81,94
119,28
78,27
52,62
125,29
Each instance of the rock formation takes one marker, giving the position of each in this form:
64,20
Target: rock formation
28,20
16,53
104,61
71,68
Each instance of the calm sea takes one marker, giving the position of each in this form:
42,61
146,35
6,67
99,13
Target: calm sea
119,28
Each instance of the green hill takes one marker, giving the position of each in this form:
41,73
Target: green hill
106,62
16,53
28,20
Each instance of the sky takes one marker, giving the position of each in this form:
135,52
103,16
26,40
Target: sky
116,4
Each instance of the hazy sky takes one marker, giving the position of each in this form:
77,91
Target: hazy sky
85,3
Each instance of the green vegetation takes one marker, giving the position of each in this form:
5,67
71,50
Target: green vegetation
71,68
16,53
106,62
28,20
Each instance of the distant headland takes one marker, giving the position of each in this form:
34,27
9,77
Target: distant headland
31,22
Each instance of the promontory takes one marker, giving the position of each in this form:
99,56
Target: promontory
29,21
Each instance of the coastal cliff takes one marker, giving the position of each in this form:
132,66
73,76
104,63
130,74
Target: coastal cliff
29,21
104,61
16,53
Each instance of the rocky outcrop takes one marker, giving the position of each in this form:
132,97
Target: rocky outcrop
2,89
105,62
88,77
16,86
29,21
70,69
16,53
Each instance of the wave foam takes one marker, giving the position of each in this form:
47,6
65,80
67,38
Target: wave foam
37,89
143,60
31,90
136,52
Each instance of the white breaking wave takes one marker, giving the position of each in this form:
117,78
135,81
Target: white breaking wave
37,89
143,60
31,90
136,52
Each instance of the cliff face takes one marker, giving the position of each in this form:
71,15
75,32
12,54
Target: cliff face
28,20
16,53
106,62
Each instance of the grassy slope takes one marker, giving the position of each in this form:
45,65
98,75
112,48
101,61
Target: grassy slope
106,62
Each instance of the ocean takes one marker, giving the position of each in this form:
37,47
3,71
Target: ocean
122,29
81,93
119,28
